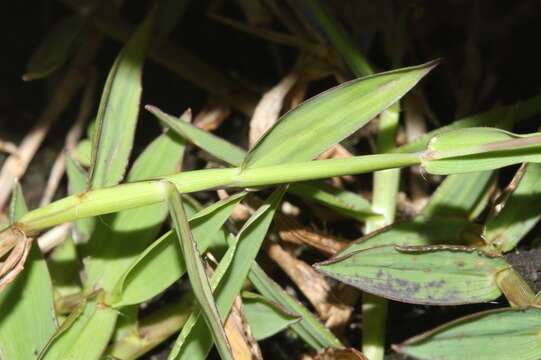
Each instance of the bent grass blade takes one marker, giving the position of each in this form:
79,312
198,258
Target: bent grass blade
193,343
196,271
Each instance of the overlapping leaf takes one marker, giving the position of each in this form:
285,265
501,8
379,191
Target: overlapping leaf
330,117
479,149
309,328
193,342
196,272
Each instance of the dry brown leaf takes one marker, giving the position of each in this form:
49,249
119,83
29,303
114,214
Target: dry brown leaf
291,230
243,344
212,115
18,245
241,212
8,147
337,354
268,109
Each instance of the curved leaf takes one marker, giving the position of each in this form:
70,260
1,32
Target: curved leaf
330,117
435,275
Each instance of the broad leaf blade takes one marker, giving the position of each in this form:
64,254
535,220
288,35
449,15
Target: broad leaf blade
436,275
492,335
330,117
196,272
118,111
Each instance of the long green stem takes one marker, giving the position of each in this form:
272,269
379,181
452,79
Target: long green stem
127,196
385,191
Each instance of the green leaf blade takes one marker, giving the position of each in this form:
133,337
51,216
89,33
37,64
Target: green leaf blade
479,149
330,117
109,254
520,214
118,111
28,317
87,336
160,264
214,145
492,335
309,328
422,231
266,317
196,272
249,241
436,275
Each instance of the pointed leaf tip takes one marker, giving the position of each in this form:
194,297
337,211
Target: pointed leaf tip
328,118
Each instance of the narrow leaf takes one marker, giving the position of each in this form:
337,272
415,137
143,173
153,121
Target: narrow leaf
249,240
77,182
491,335
309,328
221,149
436,275
87,335
324,120
109,254
342,201
479,149
196,272
17,205
118,111
459,195
493,117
